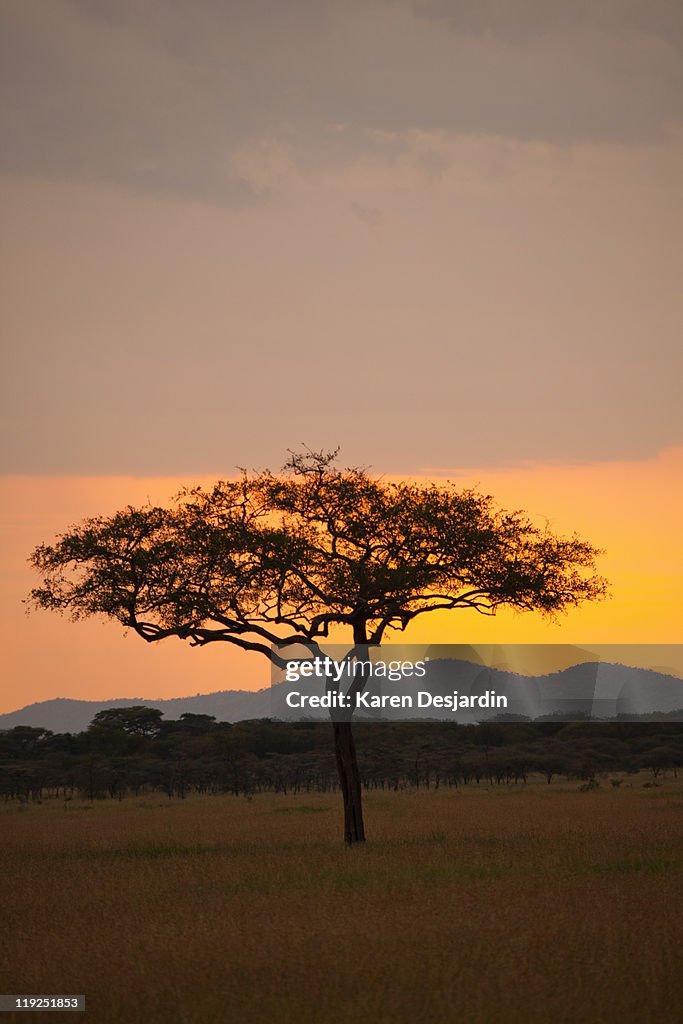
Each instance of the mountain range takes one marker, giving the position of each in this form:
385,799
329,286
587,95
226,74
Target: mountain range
599,689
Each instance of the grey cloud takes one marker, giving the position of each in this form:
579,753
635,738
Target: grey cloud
520,19
160,96
94,104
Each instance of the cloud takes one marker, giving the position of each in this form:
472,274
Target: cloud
524,19
162,97
518,302
91,102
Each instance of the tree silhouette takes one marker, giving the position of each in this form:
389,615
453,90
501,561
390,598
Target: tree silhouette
135,721
269,560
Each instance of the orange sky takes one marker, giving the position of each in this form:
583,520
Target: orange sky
632,509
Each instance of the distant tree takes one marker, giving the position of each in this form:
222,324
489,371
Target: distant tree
197,723
266,561
26,738
659,760
135,721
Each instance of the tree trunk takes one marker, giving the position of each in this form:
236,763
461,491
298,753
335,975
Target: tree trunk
349,779
345,749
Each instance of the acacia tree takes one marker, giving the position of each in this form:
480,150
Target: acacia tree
134,721
270,560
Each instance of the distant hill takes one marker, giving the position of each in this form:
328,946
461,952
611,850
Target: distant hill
595,689
66,715
598,689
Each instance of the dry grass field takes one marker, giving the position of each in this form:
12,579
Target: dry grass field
516,904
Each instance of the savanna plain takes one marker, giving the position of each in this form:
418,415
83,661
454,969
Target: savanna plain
529,903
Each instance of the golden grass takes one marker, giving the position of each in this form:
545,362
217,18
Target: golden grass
527,904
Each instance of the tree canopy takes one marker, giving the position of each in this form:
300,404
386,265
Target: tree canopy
136,721
269,559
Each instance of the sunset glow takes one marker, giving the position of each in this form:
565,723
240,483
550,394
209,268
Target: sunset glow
630,509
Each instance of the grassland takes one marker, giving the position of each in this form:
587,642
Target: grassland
511,904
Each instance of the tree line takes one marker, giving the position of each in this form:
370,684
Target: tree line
131,751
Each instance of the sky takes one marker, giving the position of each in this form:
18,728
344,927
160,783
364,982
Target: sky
443,234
